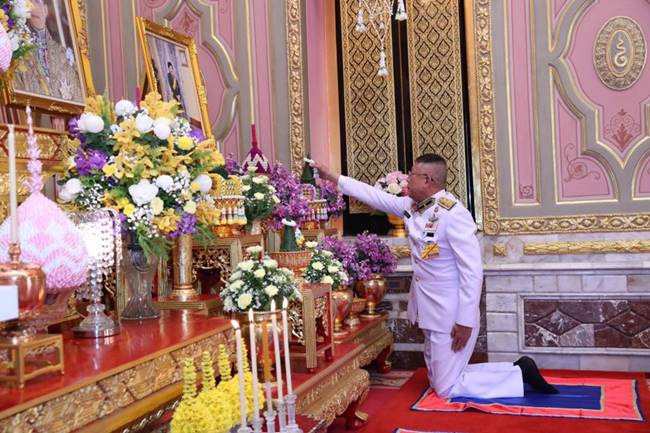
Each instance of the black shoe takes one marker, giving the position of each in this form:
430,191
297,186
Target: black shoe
533,377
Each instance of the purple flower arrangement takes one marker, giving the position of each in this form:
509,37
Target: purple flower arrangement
373,256
232,166
334,197
293,205
343,251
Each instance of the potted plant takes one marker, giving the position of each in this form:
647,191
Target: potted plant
395,183
373,261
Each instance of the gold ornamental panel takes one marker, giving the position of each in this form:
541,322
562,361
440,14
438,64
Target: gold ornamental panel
620,53
594,247
436,86
371,143
296,85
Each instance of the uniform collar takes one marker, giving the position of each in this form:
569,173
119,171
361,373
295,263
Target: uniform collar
428,202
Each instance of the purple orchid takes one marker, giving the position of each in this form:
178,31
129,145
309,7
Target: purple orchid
89,161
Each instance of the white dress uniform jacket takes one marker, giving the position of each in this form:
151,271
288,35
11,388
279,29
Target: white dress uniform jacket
445,289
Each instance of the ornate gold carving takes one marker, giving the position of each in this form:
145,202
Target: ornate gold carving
435,81
78,30
619,53
212,258
296,85
145,28
92,400
595,247
400,251
483,133
499,250
368,99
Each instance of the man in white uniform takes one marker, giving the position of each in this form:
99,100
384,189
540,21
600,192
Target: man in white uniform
446,286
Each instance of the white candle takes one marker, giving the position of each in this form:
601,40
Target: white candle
240,373
13,193
256,403
276,349
287,358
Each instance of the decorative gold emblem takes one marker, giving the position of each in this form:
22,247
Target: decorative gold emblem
619,53
429,250
446,203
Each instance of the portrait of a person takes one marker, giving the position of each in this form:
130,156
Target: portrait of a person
51,69
174,86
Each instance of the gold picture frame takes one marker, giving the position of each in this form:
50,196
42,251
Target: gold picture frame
65,54
186,85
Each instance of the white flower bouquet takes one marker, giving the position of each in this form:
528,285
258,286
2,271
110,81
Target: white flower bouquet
395,183
256,282
325,268
260,195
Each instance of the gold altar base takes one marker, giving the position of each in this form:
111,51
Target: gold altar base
199,302
20,349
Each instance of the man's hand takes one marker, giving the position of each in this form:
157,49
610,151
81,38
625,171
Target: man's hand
324,172
459,334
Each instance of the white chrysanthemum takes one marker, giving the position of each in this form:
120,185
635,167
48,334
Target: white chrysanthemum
275,199
270,263
259,180
258,196
246,265
235,276
143,192
236,285
205,183
311,244
318,266
165,182
394,188
327,253
89,122
259,273
327,280
246,188
143,123
124,107
271,290
332,269
244,300
255,249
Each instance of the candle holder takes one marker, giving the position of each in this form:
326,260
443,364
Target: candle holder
269,414
101,233
282,414
292,426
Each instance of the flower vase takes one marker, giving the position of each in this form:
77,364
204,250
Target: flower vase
372,289
398,230
182,287
140,271
342,300
256,227
262,318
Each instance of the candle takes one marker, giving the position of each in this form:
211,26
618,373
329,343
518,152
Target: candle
13,193
138,96
266,358
287,359
276,349
240,373
256,403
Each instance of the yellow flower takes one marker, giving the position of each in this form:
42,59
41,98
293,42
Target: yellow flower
185,143
156,205
194,186
126,134
109,169
128,209
122,202
217,158
190,207
94,104
167,222
157,107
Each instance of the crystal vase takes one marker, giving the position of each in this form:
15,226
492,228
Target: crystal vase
140,271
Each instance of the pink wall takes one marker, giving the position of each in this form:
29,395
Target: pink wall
585,169
228,23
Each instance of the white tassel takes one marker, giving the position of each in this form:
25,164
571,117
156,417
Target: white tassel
383,72
360,27
401,11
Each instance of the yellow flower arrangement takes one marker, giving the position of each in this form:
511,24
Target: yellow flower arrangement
214,399
191,416
147,163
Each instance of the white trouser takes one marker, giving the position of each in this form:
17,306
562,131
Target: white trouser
450,376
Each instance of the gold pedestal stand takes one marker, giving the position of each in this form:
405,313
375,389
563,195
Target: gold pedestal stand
24,368
183,295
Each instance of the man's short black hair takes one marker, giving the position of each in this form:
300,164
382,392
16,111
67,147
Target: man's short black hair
431,158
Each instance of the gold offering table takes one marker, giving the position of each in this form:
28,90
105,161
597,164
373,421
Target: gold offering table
133,381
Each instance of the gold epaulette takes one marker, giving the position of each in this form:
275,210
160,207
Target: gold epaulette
446,203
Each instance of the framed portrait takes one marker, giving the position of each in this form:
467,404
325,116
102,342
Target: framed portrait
172,69
55,77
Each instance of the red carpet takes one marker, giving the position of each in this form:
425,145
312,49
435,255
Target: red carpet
394,413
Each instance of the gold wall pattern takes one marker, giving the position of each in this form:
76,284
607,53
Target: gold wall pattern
435,77
593,247
483,121
368,100
296,85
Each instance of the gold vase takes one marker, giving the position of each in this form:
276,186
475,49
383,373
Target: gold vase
398,230
182,287
342,299
357,307
373,289
262,319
